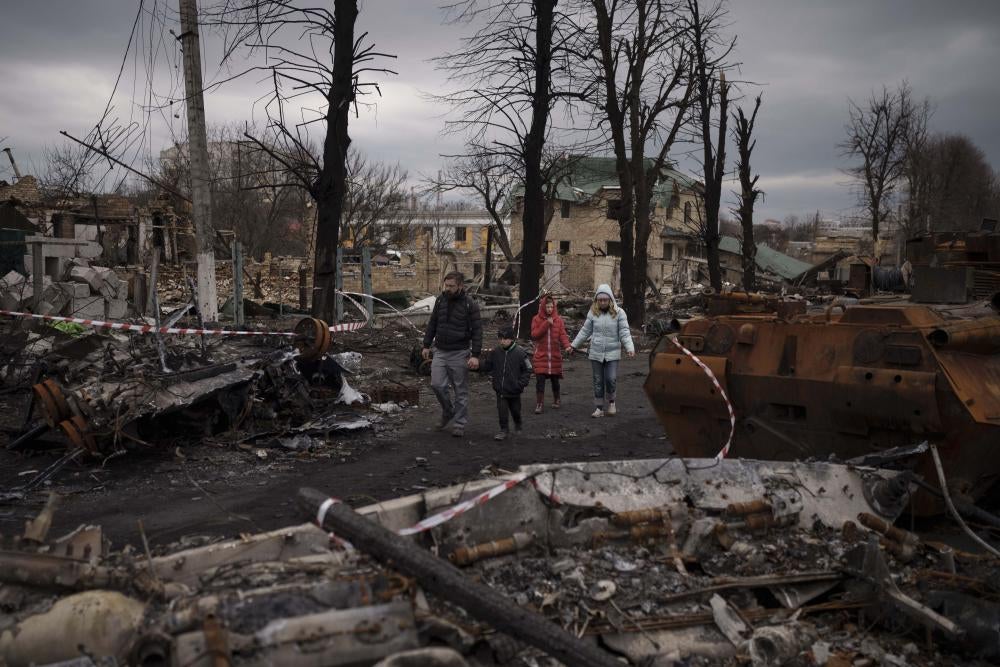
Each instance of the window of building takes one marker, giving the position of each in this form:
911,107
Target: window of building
668,252
614,248
477,268
614,209
460,234
564,209
563,247
687,213
548,247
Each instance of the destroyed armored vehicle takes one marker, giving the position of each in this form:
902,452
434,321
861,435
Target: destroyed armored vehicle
842,383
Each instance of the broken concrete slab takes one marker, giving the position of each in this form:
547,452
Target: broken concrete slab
116,309
74,290
12,280
88,275
88,307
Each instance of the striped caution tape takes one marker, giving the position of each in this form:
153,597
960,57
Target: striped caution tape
443,516
149,328
463,507
724,452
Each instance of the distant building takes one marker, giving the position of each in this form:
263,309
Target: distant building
584,221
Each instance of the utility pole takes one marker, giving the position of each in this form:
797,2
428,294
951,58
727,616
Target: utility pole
201,193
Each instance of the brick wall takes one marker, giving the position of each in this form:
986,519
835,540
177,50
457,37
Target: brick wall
588,225
25,191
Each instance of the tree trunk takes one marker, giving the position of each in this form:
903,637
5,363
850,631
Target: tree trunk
640,268
533,220
331,186
499,233
488,268
749,252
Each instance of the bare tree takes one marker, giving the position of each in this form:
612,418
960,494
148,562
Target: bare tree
253,194
709,54
951,186
68,170
376,212
642,70
490,179
916,170
508,74
745,143
310,52
877,138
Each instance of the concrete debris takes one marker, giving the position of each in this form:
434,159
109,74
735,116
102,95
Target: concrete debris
581,557
108,393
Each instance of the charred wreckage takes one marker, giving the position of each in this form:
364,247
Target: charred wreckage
844,420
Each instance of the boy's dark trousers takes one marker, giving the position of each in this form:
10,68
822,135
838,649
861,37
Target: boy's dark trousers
509,406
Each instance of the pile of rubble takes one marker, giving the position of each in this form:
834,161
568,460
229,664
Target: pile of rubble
81,290
622,562
109,392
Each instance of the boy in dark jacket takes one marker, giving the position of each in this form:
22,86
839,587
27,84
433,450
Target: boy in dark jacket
509,367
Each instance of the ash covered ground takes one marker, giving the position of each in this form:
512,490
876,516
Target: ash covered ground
230,483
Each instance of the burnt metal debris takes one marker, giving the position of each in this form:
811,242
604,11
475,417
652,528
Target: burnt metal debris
106,393
843,381
616,562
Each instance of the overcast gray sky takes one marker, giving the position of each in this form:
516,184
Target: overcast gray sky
59,60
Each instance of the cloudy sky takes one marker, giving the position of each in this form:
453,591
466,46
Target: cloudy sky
59,60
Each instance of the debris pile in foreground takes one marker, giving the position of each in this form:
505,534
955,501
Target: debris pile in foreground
652,562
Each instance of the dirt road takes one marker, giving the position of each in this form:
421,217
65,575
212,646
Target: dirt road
215,488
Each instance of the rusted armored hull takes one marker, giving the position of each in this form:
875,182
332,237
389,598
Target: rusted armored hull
843,384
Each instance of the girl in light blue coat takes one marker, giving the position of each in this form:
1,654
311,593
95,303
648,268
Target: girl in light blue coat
607,329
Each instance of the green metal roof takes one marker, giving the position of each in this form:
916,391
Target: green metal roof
590,175
768,259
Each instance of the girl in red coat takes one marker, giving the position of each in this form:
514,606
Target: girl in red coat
548,332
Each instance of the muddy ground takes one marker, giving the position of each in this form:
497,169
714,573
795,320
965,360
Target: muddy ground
220,488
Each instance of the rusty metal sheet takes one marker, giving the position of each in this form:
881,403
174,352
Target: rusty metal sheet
676,382
975,378
889,397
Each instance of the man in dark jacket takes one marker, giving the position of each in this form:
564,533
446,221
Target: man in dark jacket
455,330
509,366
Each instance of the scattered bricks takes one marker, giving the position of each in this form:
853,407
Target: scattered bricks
89,275
55,299
112,287
22,295
46,308
90,308
116,309
75,290
11,280
8,301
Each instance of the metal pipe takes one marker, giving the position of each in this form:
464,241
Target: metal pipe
475,553
13,164
980,335
633,517
882,526
28,437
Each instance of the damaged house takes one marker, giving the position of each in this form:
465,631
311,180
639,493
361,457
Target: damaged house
583,239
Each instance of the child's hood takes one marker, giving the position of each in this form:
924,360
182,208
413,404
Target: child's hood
541,306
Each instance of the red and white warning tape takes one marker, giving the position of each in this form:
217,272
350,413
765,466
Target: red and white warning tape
444,515
724,452
149,328
463,507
